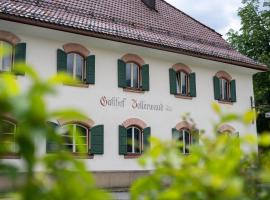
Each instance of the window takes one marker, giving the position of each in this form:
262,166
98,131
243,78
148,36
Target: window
75,138
134,140
133,137
182,83
6,61
224,89
7,133
76,66
186,138
133,75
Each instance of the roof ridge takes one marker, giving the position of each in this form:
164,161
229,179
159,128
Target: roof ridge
211,29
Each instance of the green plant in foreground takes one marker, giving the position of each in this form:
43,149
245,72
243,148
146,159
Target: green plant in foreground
61,175
217,168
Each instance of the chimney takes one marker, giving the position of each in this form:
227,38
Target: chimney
150,4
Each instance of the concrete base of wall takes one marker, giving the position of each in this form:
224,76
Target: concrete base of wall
115,181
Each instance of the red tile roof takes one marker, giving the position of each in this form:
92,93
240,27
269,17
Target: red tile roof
129,21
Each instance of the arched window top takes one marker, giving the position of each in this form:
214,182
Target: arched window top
184,125
226,128
181,67
223,75
132,58
88,123
9,37
134,122
76,48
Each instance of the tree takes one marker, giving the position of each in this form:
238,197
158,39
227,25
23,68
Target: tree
216,168
253,40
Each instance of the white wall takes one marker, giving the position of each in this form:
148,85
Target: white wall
41,54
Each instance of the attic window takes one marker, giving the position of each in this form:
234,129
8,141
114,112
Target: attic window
150,4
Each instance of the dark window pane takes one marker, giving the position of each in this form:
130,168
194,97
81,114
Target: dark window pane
178,82
81,149
129,140
81,131
137,141
68,148
184,83
187,141
6,127
128,74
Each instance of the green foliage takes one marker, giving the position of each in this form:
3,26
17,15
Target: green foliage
52,176
253,40
217,168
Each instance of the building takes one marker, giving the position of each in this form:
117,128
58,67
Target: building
142,65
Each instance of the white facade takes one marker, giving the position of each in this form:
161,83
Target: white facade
42,45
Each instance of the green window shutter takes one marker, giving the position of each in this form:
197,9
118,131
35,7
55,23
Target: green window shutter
122,83
90,69
233,90
20,55
172,74
146,136
122,140
52,144
192,85
145,77
175,134
217,93
97,140
61,61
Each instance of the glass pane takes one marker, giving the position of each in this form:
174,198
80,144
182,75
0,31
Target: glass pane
178,82
6,127
183,83
81,149
221,88
7,60
128,74
68,148
137,143
226,90
129,140
187,141
70,63
81,131
79,67
135,76
67,139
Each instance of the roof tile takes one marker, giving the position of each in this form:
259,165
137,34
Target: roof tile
129,19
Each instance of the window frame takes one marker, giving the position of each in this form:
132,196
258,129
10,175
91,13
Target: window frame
179,88
2,42
139,78
74,145
83,79
133,127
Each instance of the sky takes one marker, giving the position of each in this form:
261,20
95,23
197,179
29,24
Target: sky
220,15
